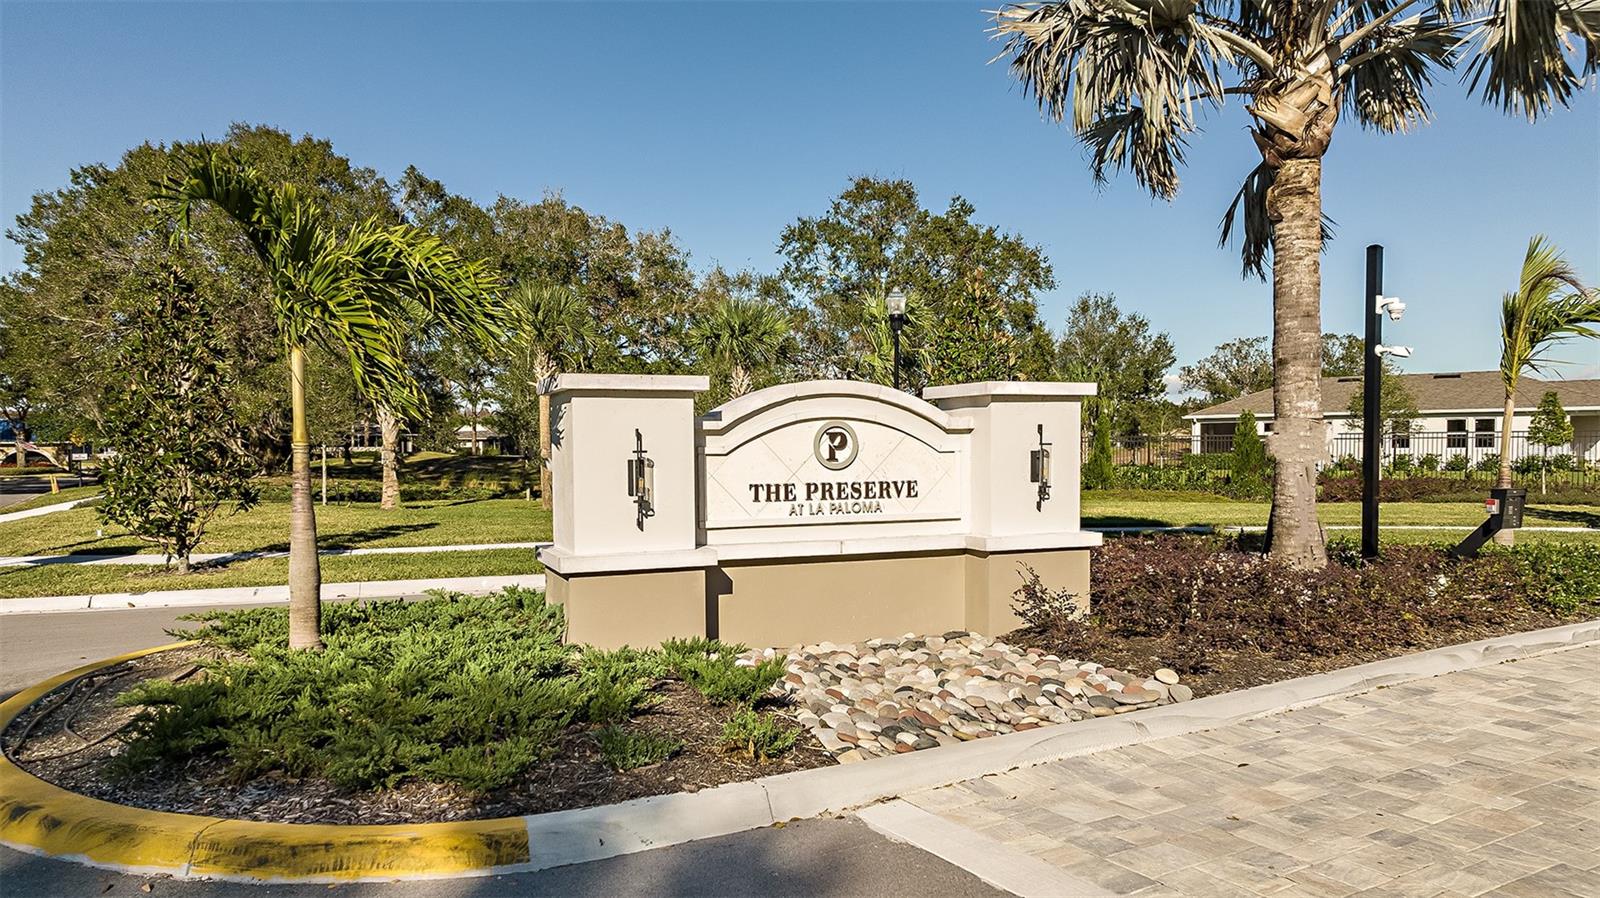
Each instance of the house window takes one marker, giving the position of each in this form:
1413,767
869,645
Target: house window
1267,427
1484,437
1455,433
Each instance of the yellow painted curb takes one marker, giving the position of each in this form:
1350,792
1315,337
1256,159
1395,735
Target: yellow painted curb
40,818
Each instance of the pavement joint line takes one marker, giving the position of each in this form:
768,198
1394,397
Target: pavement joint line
44,819
983,856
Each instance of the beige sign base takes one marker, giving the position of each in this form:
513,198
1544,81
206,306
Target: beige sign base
787,601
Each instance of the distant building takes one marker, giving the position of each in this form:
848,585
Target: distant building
1459,415
482,440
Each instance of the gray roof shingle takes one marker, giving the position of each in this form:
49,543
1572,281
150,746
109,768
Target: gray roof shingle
1474,391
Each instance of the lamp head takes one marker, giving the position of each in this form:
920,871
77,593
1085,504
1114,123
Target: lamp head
1399,352
896,303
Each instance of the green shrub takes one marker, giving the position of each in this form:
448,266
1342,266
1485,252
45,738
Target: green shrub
709,666
617,683
463,689
1429,463
762,736
1248,472
1457,462
1097,469
1562,576
625,750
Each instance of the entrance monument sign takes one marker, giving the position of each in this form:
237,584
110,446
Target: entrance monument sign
830,510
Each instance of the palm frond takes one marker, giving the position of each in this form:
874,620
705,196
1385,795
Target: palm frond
1539,315
555,322
356,292
1248,215
1385,78
1522,49
1130,74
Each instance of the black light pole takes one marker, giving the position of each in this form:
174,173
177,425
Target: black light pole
1377,305
1371,397
897,320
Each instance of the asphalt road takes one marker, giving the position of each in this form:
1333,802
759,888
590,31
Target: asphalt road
18,489
832,857
811,857
36,646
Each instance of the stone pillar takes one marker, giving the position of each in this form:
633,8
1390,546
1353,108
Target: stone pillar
1013,524
603,537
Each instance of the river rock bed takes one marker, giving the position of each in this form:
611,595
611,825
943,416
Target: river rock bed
890,696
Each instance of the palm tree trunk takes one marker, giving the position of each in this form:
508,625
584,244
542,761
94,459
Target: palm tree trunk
305,573
1299,439
1507,536
739,382
544,367
388,456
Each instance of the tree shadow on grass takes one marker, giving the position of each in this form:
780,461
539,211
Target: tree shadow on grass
355,539
1589,519
1119,520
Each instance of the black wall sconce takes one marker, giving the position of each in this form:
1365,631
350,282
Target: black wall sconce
642,480
1039,469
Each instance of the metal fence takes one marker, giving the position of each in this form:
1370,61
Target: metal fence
1436,450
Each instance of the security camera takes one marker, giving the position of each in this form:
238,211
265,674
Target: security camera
1399,352
1391,305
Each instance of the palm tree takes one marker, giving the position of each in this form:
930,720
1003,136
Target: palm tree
556,330
1549,307
1134,76
741,336
352,291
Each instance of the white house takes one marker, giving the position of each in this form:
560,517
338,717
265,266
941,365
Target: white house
1459,415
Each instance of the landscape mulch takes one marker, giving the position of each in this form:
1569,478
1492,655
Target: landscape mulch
1226,671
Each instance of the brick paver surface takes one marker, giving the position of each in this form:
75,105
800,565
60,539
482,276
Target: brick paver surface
1479,782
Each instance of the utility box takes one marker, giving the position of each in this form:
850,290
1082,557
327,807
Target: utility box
1507,503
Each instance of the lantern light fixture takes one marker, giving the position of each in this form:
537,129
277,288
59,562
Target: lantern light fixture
1039,469
642,480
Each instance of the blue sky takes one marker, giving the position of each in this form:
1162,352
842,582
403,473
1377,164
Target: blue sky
725,121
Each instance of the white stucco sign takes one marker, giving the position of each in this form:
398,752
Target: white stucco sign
803,457
824,509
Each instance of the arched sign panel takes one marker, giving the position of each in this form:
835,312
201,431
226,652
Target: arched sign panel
831,453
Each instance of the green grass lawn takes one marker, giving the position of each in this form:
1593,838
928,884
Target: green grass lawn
265,528
438,523
1130,508
79,579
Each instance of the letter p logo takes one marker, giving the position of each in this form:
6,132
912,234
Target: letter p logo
835,446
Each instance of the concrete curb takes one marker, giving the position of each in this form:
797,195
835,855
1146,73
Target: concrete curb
46,509
43,819
255,595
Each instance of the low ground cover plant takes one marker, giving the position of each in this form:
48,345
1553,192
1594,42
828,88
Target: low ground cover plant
1205,596
474,691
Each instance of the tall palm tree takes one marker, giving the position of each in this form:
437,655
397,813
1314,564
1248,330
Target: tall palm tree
556,330
1134,76
1549,307
741,336
352,291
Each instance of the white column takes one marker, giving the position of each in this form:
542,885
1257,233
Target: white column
1010,419
599,424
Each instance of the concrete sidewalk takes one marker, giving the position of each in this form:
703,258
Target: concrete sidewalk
1474,782
155,558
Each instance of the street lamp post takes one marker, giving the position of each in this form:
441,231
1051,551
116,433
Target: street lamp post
1375,305
897,320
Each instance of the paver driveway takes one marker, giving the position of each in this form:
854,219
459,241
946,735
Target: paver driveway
1479,782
